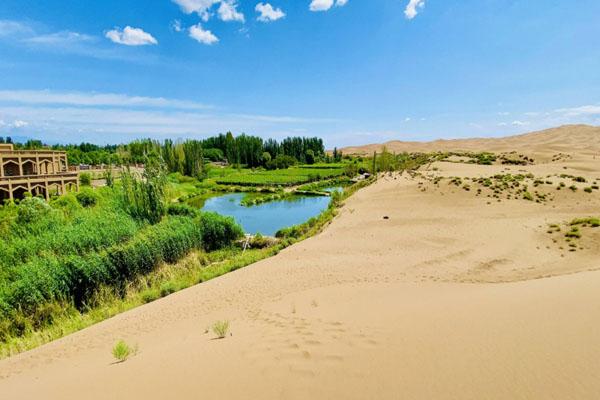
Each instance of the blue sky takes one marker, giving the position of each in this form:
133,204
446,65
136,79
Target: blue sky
350,71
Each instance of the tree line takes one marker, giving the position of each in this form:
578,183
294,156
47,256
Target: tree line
188,156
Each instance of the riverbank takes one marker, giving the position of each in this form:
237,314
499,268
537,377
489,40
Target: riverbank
419,289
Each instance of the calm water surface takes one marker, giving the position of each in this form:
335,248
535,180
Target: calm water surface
268,218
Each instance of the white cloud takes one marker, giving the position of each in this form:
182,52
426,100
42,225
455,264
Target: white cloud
412,9
519,123
64,38
228,11
588,110
200,7
202,35
75,117
268,13
64,42
176,26
131,37
19,124
324,5
9,28
92,99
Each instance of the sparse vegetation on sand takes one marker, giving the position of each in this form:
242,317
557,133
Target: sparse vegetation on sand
574,232
221,329
122,351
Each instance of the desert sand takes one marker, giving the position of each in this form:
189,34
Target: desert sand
456,295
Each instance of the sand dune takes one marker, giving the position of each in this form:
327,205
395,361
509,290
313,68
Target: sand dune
455,296
567,139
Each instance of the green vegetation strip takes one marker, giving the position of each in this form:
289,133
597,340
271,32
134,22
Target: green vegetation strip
156,273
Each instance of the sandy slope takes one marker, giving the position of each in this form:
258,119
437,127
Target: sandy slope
442,300
569,139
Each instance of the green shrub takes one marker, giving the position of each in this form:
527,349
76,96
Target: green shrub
85,178
68,203
218,231
167,289
150,295
31,209
87,197
122,351
221,328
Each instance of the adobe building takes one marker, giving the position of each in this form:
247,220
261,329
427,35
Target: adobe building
39,172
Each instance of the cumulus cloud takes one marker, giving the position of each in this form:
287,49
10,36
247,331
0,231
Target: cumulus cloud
131,37
201,7
268,13
324,5
228,11
202,35
412,9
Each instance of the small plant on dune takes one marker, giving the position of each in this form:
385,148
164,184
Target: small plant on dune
573,233
221,328
528,196
593,222
122,351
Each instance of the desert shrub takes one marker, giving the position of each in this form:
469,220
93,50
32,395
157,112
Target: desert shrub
221,328
85,178
574,233
593,222
87,197
218,231
122,351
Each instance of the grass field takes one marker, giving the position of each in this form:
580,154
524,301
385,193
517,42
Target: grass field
282,177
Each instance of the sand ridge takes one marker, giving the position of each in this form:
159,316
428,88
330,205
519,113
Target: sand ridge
456,296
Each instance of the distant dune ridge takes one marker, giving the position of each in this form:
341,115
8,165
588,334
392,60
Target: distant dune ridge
567,138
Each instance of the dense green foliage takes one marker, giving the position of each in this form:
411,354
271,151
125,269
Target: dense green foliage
144,199
65,251
283,177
